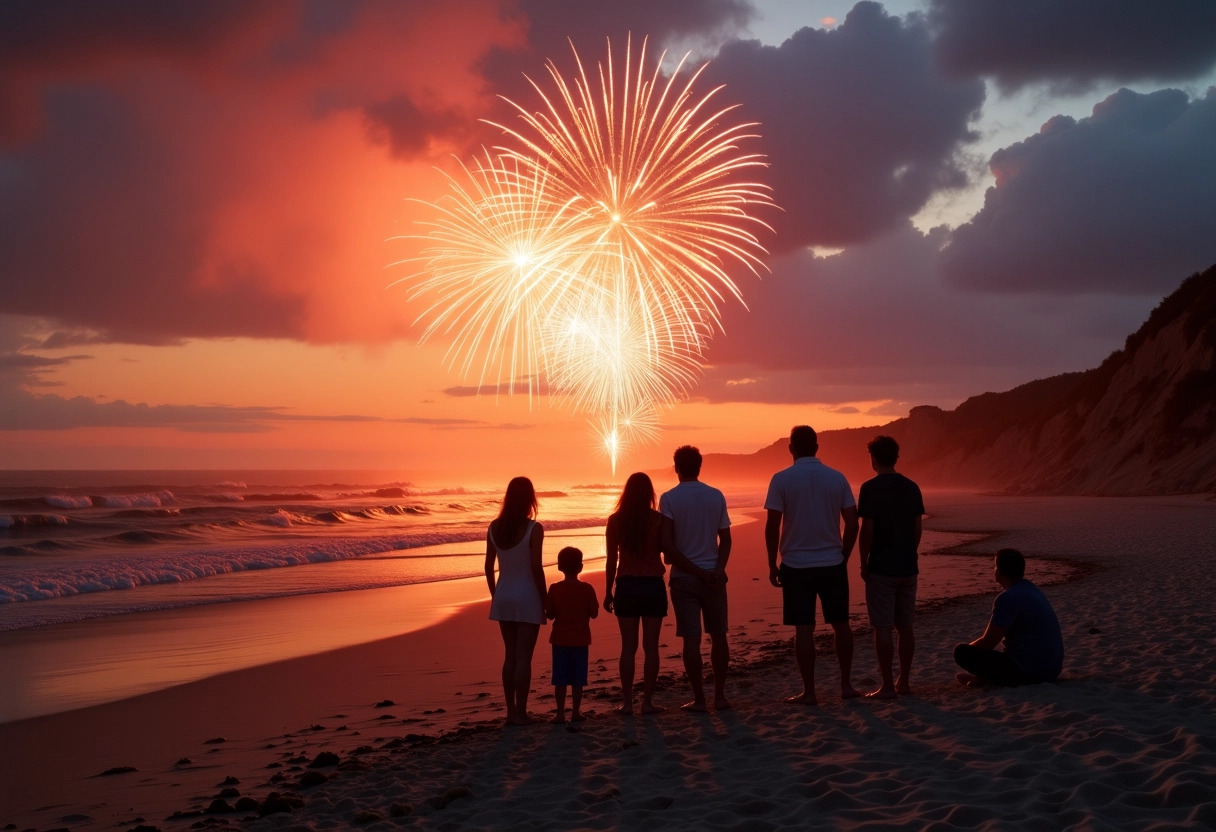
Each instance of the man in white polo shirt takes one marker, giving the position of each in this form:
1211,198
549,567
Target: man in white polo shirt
696,542
806,504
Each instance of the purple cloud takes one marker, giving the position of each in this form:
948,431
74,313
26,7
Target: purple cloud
879,322
859,128
1121,201
1076,43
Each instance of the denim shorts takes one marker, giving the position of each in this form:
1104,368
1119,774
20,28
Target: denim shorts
569,666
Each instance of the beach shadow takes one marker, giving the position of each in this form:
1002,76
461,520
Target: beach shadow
1079,752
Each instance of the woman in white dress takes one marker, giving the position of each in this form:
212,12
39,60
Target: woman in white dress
517,593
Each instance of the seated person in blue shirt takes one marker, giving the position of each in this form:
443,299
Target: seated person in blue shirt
1022,617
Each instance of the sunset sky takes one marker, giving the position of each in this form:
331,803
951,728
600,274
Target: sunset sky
198,203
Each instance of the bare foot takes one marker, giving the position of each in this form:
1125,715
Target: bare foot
803,698
697,705
882,693
523,719
722,704
849,692
577,717
651,708
626,710
966,680
558,719
903,690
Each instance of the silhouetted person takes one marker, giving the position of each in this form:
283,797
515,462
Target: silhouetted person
806,504
696,541
1023,618
515,539
890,507
571,604
634,590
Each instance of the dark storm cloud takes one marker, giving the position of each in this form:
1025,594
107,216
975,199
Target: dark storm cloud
408,129
409,126
168,168
859,129
878,322
39,33
551,22
1121,201
99,228
1076,43
145,132
44,42
552,25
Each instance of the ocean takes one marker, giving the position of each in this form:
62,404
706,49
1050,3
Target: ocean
114,584
77,545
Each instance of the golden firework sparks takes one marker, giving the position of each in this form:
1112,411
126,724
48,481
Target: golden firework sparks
594,247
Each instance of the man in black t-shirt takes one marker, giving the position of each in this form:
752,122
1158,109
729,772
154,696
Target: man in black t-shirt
890,507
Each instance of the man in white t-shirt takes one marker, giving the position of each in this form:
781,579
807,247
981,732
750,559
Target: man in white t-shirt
696,542
806,504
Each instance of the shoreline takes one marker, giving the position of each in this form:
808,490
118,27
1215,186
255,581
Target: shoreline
762,671
79,664
118,657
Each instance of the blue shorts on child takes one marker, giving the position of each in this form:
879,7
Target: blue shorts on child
569,666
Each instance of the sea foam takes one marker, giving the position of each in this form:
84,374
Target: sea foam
136,500
66,501
32,580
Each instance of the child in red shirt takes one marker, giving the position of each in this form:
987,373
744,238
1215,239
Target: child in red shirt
571,604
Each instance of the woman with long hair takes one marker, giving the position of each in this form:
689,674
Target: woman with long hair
514,540
639,596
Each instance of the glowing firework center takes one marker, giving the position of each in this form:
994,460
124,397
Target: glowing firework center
591,251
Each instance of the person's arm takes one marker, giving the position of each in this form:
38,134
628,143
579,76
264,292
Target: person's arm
717,575
612,542
916,539
592,604
991,638
920,512
667,537
491,554
674,556
864,541
535,545
772,537
850,531
724,545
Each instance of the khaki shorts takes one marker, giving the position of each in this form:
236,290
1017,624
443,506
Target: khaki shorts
692,600
891,601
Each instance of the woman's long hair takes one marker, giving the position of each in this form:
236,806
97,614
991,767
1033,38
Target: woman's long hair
518,507
634,511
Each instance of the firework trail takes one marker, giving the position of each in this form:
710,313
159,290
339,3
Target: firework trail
592,247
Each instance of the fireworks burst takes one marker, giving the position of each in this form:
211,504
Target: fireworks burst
593,248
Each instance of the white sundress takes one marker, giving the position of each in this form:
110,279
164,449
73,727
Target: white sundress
515,595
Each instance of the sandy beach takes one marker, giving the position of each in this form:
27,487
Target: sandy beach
1127,738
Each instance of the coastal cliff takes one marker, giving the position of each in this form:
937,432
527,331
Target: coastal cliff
1143,422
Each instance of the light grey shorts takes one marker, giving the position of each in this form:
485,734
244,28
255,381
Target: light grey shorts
693,601
891,601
